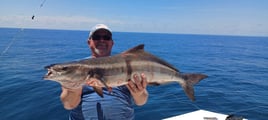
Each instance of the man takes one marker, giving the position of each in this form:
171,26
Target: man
84,103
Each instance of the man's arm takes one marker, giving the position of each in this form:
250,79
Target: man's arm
70,98
138,90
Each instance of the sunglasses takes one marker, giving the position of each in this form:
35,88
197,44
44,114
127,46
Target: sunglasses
103,37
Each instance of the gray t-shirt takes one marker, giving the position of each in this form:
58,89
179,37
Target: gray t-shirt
116,105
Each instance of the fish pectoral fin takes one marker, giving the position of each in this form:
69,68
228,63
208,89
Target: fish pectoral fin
104,83
94,82
100,78
99,91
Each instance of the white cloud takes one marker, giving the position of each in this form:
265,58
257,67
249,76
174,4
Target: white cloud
54,22
133,25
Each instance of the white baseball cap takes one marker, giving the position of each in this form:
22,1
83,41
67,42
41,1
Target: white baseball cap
98,27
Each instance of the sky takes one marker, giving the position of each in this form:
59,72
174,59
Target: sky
215,17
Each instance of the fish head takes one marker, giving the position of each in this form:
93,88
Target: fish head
65,73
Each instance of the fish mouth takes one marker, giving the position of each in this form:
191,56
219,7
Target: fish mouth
49,72
48,75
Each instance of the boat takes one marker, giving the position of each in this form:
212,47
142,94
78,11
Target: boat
204,115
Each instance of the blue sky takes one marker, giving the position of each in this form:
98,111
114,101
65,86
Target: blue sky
220,17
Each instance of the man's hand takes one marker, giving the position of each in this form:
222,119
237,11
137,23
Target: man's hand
71,97
138,89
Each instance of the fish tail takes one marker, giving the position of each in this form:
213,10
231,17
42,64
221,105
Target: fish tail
190,81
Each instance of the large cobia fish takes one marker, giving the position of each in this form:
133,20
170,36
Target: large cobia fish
118,69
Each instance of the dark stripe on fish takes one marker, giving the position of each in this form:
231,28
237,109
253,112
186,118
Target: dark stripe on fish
129,68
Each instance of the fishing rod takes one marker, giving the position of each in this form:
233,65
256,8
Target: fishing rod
19,32
41,5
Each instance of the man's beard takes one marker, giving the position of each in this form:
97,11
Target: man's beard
96,51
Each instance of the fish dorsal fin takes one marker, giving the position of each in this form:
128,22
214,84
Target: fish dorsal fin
135,49
139,52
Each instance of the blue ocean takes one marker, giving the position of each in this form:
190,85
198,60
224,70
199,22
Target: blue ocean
237,67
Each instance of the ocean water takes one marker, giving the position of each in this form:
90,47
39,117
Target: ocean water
237,67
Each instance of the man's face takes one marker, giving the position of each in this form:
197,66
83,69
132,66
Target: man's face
101,43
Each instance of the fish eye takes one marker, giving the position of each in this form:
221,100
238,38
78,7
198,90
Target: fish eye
64,68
